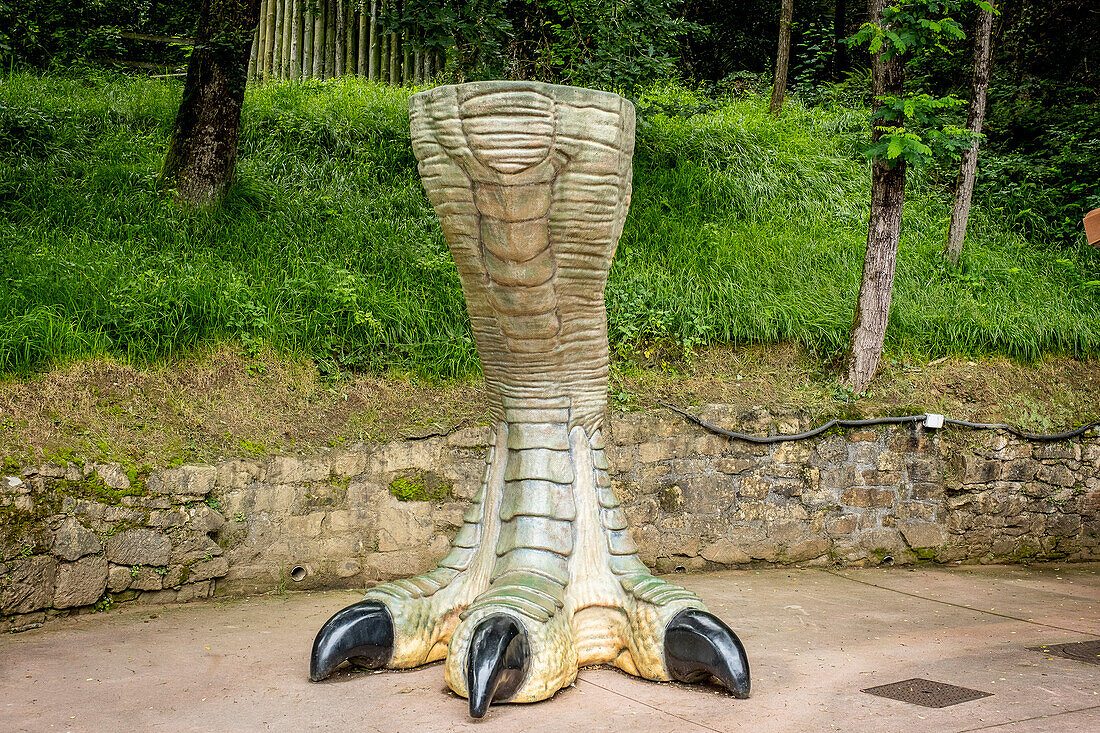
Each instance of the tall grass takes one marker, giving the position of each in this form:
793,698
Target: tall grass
742,228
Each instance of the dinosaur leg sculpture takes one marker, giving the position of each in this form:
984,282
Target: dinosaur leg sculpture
532,184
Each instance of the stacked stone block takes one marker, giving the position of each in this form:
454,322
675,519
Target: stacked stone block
78,537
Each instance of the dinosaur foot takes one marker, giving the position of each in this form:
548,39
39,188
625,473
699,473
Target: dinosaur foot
541,581
498,663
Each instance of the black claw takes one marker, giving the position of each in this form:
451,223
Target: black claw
362,633
697,644
497,663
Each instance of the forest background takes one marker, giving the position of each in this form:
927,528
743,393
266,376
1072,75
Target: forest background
746,227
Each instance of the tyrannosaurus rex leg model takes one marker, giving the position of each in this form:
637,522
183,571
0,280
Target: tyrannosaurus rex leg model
532,183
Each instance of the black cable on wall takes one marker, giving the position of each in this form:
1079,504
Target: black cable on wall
930,420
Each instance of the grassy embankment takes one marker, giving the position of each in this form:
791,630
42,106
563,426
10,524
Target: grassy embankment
743,229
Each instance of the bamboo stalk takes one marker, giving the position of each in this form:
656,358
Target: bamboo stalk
406,64
277,54
361,41
330,37
261,40
307,41
384,58
353,39
296,40
341,36
288,12
253,54
395,68
372,62
353,36
269,37
319,41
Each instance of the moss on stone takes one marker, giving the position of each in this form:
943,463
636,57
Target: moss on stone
420,487
924,554
93,487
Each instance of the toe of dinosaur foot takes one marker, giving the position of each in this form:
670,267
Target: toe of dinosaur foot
362,633
698,645
497,663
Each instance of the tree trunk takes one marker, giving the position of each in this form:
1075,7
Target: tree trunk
372,63
202,154
319,41
968,168
782,56
269,42
307,41
295,40
883,231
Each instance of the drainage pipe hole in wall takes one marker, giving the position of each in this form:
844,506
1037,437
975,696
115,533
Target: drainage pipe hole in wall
298,573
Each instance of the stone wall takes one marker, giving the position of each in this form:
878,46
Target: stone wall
78,538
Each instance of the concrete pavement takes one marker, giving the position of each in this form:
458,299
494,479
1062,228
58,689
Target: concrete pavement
815,638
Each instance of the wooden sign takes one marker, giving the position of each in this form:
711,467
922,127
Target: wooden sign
1092,227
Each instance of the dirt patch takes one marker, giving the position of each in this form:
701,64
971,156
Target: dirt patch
1048,396
221,404
217,404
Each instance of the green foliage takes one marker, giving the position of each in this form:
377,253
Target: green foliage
475,31
619,45
742,228
1038,167
59,33
915,129
609,44
913,26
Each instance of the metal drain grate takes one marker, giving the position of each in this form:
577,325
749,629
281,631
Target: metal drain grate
928,693
1080,651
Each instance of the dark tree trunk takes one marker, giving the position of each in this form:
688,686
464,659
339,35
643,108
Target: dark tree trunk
782,57
883,231
202,155
968,168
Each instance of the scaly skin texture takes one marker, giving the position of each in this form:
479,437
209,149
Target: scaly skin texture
532,184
